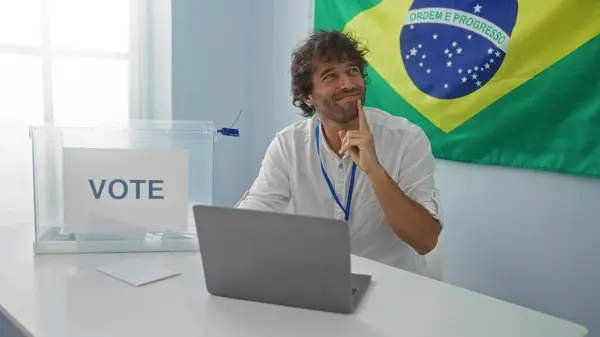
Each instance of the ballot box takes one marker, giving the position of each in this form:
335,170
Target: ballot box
120,187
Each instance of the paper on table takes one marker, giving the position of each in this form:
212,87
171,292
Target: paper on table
137,272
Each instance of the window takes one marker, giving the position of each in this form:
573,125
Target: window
80,55
67,61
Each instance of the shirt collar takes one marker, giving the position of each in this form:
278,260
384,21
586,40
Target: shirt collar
325,145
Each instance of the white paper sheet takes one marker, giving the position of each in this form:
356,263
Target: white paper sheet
137,272
125,191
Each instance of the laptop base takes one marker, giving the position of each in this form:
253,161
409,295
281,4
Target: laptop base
360,284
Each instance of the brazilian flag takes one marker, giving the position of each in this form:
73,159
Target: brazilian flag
494,82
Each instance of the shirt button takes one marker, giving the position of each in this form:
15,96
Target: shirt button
341,165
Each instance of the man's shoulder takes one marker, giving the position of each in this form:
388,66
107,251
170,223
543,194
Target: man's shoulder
391,124
299,128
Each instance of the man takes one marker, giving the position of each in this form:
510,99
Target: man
372,169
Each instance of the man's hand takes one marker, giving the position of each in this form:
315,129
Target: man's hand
360,143
411,222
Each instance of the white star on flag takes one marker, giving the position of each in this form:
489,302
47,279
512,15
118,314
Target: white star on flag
455,54
412,26
477,8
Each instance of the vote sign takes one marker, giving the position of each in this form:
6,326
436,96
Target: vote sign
125,189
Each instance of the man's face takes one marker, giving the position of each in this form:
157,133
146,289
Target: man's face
336,88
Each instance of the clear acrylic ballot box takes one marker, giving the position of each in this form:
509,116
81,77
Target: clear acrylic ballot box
123,187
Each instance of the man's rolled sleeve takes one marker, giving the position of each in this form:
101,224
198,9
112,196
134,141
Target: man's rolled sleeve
271,189
416,176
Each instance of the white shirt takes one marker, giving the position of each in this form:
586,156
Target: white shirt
291,171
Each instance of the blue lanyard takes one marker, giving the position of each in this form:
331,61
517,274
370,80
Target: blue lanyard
350,189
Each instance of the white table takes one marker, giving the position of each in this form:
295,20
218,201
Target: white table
64,296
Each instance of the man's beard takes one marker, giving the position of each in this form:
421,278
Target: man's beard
347,111
341,112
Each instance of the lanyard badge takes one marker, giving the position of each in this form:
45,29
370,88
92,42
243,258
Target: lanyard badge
346,209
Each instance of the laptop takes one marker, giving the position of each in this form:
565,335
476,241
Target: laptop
276,258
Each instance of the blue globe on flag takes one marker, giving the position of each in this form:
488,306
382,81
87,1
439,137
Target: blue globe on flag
452,48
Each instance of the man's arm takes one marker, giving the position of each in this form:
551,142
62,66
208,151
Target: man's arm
271,189
410,220
411,206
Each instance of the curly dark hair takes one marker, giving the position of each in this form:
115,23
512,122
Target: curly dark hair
322,45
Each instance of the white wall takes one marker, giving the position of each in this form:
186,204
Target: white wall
523,236
280,27
229,55
211,75
526,237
